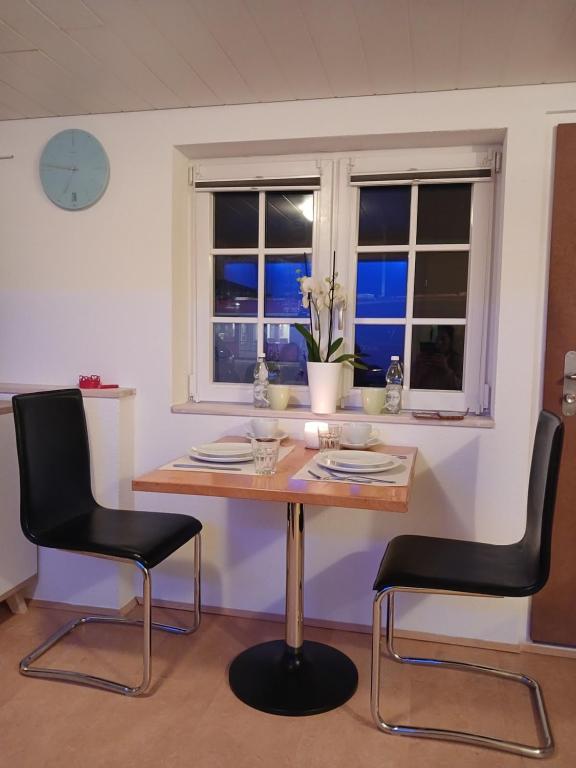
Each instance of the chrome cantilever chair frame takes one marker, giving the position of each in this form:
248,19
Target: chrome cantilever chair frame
147,624
478,740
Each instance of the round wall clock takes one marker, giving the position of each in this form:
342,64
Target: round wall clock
74,169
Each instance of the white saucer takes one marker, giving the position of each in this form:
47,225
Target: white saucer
279,434
358,463
372,440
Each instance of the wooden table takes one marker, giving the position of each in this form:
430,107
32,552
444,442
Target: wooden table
291,676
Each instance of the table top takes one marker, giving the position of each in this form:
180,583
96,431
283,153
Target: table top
282,487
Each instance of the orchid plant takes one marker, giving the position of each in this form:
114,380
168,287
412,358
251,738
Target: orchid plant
322,300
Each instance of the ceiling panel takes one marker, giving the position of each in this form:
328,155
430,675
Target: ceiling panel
436,26
62,81
335,33
106,47
22,105
22,80
12,41
385,33
537,33
152,48
232,26
187,33
486,35
282,24
60,57
68,14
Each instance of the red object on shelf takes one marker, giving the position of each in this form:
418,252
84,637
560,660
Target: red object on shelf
89,382
93,382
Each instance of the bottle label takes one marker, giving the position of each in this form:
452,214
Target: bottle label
393,399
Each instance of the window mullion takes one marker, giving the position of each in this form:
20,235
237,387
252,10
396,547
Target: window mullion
261,269
410,284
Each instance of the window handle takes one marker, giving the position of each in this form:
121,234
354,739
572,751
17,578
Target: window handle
340,318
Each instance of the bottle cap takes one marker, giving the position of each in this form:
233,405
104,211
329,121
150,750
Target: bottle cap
395,357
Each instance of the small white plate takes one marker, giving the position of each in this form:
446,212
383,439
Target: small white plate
279,434
222,452
372,440
220,459
360,462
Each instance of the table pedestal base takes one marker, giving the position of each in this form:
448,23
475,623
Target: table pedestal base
275,678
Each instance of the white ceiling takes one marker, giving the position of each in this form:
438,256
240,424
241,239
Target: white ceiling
75,57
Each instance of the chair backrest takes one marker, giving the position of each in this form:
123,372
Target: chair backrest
54,459
544,471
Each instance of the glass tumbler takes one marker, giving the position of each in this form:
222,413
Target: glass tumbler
329,436
265,453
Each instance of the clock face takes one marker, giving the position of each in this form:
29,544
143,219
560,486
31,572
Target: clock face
74,169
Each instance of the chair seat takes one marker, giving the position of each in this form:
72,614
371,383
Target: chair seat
425,562
146,537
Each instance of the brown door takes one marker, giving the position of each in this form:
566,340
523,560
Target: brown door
553,617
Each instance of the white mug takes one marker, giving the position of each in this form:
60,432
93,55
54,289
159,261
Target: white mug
278,395
373,399
264,427
358,433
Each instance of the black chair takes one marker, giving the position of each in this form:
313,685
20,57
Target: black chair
58,510
448,566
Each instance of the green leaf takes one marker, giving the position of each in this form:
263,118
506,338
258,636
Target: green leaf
334,346
311,343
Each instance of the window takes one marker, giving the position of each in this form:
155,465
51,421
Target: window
412,249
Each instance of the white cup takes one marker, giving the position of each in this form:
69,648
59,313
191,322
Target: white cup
264,427
278,395
358,433
373,399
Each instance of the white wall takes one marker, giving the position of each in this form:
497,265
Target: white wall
90,292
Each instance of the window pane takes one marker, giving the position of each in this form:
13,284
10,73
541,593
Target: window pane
235,219
235,350
443,213
377,343
381,284
289,217
437,356
282,297
441,284
384,217
285,351
236,285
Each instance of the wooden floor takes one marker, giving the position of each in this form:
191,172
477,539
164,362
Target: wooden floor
191,718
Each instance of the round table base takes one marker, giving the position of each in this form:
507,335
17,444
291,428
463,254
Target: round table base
278,679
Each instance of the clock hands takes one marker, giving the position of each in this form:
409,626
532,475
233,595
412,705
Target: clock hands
60,167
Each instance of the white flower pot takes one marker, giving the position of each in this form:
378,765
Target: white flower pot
324,384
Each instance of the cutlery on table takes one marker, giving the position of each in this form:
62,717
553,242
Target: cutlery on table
362,478
207,467
366,481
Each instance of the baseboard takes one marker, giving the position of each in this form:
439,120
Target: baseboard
549,650
406,634
345,626
73,608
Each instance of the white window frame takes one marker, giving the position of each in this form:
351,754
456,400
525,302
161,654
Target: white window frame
205,388
335,228
473,391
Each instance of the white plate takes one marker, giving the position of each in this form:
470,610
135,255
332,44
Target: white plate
220,459
222,452
360,461
372,440
279,434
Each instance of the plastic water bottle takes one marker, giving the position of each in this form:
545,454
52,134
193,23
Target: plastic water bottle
394,381
261,383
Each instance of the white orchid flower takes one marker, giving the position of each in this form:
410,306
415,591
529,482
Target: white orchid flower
307,285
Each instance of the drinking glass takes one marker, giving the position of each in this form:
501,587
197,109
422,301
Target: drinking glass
265,453
329,436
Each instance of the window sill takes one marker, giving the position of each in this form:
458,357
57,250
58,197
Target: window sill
109,394
302,412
